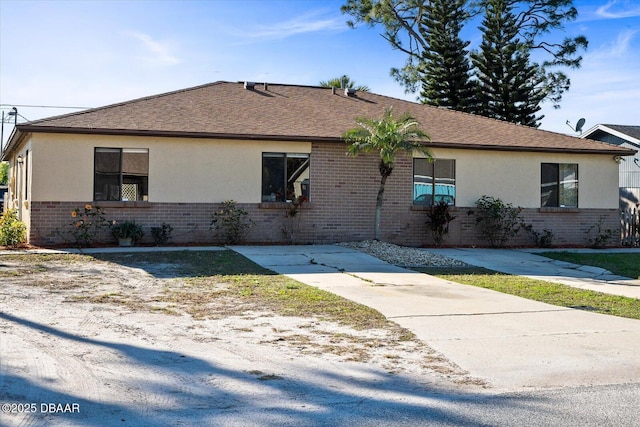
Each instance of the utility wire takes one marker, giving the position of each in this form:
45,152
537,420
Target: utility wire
42,106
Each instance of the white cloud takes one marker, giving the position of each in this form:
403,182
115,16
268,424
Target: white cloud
616,9
310,22
621,46
603,90
160,52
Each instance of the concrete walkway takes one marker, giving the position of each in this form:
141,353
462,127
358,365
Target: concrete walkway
527,263
510,342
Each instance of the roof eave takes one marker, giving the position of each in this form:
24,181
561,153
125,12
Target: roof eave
174,134
15,139
302,138
612,151
614,132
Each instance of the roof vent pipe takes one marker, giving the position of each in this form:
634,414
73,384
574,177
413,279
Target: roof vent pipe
333,90
266,86
249,85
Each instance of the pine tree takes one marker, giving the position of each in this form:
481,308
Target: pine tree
446,75
509,84
403,23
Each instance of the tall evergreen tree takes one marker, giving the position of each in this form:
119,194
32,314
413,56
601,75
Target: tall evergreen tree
510,86
403,23
446,72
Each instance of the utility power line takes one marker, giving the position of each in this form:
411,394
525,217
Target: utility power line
43,106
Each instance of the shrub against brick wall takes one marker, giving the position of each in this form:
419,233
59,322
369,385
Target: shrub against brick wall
341,207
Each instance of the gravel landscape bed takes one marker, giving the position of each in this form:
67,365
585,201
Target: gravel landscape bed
403,256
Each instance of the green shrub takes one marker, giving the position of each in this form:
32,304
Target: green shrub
162,234
12,230
86,224
4,173
231,221
597,236
292,213
439,218
542,240
497,221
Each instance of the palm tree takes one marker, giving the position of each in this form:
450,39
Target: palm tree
344,82
388,137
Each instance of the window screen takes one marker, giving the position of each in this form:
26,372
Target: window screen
284,176
121,174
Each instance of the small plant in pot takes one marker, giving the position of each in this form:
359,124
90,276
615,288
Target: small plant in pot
128,233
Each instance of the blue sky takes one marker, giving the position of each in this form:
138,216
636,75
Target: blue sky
89,54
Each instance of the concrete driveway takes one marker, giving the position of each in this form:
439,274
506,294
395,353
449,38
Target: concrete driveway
526,262
510,342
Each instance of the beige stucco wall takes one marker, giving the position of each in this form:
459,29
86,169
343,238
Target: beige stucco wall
180,169
515,177
204,170
20,179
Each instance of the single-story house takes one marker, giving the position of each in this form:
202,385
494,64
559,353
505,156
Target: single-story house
626,137
175,157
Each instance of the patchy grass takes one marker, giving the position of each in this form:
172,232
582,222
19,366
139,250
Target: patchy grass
226,286
202,283
187,263
41,259
211,277
624,264
16,265
278,294
538,290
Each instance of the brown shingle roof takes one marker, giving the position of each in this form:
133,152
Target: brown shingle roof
289,112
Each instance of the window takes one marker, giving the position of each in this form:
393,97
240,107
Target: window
559,185
121,174
434,182
284,176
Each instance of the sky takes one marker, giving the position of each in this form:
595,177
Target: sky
94,53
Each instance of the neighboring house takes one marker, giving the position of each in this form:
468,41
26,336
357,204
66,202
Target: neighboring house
175,157
625,137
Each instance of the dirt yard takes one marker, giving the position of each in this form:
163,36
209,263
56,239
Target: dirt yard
87,341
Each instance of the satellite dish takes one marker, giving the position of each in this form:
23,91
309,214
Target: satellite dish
578,127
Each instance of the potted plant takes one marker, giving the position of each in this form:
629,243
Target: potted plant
127,232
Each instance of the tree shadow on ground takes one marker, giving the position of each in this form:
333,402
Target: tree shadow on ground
177,264
194,391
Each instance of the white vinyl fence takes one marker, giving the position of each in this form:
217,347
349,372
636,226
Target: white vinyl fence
630,227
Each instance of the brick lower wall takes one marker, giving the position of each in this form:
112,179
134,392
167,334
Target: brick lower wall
51,223
342,208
